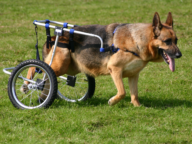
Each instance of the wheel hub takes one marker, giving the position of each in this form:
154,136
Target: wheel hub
32,86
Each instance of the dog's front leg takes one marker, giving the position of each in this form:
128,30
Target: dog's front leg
134,90
116,74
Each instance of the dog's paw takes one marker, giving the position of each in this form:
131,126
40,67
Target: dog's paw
24,88
112,101
109,102
136,103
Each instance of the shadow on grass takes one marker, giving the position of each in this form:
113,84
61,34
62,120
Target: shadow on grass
94,101
145,101
164,103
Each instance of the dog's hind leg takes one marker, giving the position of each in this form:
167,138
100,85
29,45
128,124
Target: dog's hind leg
30,75
59,65
134,89
116,74
61,60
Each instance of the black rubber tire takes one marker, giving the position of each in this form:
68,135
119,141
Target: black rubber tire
68,93
52,91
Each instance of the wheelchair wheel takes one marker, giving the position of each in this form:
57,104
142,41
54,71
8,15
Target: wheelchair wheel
40,90
82,87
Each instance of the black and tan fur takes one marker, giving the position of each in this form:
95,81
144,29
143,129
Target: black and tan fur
151,42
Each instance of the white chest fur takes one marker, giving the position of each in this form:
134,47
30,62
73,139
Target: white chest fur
134,67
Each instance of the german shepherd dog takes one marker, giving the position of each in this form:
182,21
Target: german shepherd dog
137,45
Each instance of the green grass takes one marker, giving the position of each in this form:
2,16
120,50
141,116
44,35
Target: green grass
166,112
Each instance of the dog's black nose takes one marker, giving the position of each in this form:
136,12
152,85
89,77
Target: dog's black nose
178,55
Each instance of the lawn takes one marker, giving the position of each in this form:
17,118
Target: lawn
166,112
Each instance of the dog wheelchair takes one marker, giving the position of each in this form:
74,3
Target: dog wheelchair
42,87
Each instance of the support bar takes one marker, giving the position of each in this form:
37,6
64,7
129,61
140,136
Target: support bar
54,22
76,32
6,70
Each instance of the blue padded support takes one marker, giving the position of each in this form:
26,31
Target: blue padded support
65,25
47,25
102,50
34,21
71,31
47,21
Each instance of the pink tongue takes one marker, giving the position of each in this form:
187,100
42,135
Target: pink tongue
171,63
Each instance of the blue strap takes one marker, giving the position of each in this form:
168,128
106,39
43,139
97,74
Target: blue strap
114,49
114,31
111,48
65,25
135,54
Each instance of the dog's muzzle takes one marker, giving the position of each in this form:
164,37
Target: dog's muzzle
168,59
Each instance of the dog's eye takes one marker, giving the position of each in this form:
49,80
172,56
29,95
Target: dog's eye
168,41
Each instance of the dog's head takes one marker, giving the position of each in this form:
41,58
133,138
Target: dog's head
165,40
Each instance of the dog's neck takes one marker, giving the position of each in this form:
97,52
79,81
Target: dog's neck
141,34
135,38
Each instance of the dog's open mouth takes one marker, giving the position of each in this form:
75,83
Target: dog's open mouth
170,61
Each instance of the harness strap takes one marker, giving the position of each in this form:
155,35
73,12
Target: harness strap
36,46
114,49
70,46
71,43
48,33
132,53
60,44
37,51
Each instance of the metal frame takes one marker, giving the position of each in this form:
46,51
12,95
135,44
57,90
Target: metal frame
42,23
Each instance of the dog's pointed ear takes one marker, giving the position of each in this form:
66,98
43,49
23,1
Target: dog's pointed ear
157,26
169,20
